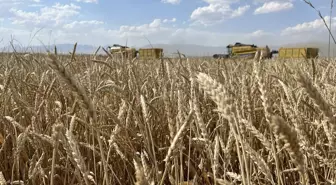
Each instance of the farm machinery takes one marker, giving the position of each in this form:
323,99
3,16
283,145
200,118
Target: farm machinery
239,50
125,51
142,53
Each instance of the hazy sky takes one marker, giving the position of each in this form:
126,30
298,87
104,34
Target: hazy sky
205,22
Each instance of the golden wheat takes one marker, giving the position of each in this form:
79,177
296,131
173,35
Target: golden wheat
77,119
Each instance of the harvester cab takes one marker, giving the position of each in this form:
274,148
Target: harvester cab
120,46
117,46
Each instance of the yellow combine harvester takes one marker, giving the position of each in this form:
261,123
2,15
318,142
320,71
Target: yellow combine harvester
239,50
142,53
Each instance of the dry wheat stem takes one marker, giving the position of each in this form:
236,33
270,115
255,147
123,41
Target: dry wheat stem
225,107
178,135
291,143
321,104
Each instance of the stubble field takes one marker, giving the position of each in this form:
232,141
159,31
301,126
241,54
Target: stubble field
98,120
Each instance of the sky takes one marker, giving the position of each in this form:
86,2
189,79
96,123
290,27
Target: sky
138,22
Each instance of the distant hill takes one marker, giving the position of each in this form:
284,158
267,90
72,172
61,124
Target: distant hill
169,49
61,48
198,50
189,50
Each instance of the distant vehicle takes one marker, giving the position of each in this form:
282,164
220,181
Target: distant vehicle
142,53
124,50
298,52
239,50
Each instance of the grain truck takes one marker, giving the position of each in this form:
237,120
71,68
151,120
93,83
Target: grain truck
297,52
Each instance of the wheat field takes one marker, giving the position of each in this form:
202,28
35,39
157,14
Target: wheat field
86,119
